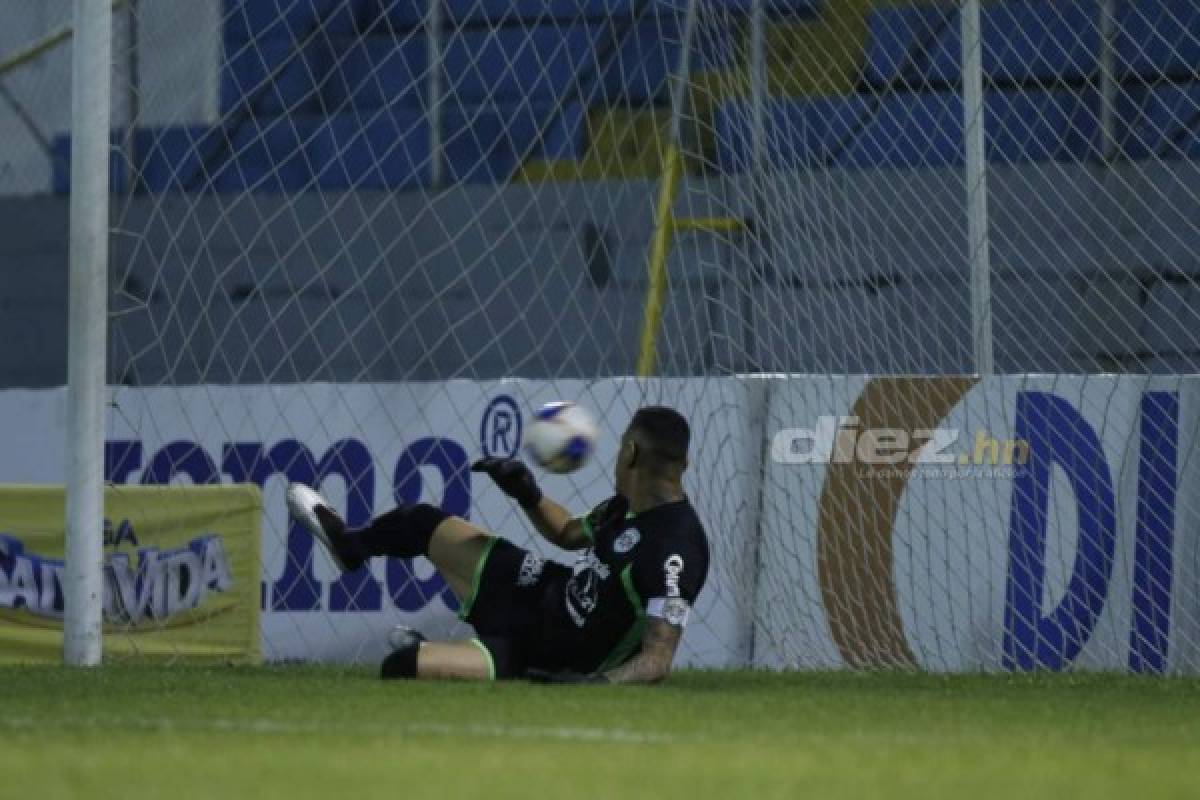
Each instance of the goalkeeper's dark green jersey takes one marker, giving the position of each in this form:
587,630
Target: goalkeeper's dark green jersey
650,564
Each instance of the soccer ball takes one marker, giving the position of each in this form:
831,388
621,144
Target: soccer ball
561,437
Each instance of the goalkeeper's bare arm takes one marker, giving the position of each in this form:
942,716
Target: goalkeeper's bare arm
616,615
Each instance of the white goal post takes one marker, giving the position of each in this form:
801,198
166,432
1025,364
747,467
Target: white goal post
91,51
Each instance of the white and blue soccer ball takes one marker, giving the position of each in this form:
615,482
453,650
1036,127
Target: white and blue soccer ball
561,437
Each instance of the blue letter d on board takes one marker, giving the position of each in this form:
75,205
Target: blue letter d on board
1057,435
1154,542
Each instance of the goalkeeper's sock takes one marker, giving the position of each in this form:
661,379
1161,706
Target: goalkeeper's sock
403,532
346,550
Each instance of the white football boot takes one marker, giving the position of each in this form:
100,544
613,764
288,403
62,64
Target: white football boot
310,509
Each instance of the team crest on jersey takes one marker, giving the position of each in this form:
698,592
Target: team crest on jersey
531,570
583,589
626,541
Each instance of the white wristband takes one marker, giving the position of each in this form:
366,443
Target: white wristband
674,610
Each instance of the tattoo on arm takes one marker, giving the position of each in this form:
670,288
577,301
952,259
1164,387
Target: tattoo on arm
653,663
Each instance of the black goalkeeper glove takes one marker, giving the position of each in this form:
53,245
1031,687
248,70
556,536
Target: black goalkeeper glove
513,478
566,676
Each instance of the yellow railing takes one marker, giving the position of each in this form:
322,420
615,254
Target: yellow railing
665,226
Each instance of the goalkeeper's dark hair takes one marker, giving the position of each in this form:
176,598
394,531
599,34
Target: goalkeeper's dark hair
665,432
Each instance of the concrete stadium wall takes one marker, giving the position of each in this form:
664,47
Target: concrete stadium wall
548,281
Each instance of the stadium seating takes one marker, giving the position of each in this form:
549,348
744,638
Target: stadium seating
373,72
388,150
174,158
1160,121
506,64
912,130
488,143
1159,38
318,92
1040,55
1033,40
273,77
271,154
800,134
315,92
410,13
263,20
503,80
1022,41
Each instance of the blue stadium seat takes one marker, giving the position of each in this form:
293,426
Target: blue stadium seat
1157,37
333,96
260,20
900,41
716,45
377,71
387,150
408,14
633,58
637,71
177,158
1034,39
799,134
269,155
799,8
246,76
169,159
60,159
512,64
487,144
1160,121
467,11
912,130
921,130
637,68
1035,126
380,16
1023,40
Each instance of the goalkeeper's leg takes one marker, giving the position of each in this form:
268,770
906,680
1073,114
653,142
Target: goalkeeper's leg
413,657
456,547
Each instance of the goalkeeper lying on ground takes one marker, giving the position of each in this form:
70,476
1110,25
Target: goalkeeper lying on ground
615,616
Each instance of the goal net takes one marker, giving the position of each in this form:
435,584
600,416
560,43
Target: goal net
928,301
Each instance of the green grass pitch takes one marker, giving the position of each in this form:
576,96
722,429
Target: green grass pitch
339,733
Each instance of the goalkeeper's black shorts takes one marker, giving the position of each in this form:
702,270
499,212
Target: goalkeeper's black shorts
506,607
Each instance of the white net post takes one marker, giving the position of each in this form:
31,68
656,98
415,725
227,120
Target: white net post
84,440
433,42
975,165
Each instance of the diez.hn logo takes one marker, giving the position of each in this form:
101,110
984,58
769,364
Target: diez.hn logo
843,440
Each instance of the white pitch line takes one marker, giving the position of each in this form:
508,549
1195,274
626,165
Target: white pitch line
227,725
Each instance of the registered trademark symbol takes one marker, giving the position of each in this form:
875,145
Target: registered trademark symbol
500,429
